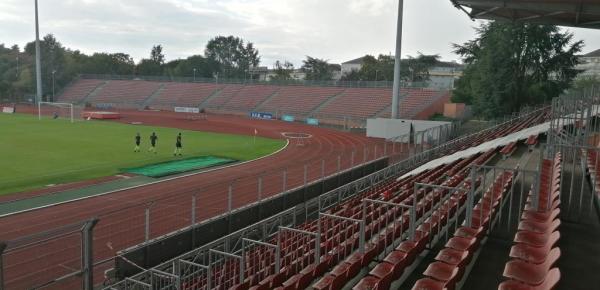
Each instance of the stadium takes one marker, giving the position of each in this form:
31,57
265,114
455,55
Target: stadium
314,184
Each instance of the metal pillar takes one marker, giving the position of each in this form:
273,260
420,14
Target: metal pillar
398,57
38,62
260,178
229,198
147,229
284,179
2,248
193,209
87,258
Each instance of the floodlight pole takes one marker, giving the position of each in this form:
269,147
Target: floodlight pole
38,65
398,57
53,72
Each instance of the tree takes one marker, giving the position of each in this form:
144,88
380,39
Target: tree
152,66
205,68
233,55
413,69
52,60
283,71
587,82
510,65
317,69
416,69
157,55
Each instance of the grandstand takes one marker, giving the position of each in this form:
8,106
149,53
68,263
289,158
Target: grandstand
330,104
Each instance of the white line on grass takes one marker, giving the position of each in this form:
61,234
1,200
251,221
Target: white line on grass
287,142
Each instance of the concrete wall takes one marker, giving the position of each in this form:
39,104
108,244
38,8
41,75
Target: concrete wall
456,111
390,128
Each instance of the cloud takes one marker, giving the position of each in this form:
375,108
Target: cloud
337,30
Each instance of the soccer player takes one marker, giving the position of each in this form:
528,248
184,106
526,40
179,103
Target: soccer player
153,139
178,146
138,139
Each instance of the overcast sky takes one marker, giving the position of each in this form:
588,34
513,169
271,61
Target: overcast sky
337,30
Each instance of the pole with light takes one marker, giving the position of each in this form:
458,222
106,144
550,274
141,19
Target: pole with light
194,75
398,57
38,65
53,73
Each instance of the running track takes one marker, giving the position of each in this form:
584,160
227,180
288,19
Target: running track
121,213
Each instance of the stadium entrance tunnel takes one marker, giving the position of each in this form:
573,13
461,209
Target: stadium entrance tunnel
147,255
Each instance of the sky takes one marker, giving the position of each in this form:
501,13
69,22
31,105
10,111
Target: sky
286,30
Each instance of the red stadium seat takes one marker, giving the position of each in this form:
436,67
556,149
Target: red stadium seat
550,283
533,274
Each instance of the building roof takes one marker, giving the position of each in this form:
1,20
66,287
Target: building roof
595,53
355,61
575,13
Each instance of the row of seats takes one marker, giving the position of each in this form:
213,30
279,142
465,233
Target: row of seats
79,90
509,149
535,252
451,262
593,167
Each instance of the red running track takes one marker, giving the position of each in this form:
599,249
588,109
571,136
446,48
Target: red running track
122,214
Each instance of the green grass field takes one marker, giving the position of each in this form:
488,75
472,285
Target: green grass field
34,153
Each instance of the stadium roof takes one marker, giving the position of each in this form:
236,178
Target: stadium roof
575,13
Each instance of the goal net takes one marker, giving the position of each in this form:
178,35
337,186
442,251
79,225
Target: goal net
52,110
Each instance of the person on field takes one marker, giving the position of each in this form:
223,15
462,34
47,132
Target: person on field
153,139
178,146
138,140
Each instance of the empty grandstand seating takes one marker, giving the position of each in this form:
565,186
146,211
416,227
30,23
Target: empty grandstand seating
125,92
80,89
535,253
299,99
451,262
358,102
337,258
223,96
327,103
184,94
249,97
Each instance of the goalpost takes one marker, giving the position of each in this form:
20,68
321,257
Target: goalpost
56,110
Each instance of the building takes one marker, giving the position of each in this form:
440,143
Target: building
441,76
590,64
349,66
444,74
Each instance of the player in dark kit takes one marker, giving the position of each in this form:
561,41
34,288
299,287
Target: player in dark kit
138,139
153,139
178,146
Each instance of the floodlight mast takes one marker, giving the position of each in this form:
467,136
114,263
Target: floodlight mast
398,57
38,65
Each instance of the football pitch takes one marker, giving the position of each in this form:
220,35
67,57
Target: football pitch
37,153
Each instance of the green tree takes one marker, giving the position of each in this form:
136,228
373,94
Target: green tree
416,69
52,55
317,69
283,71
413,69
152,66
205,68
233,55
157,55
587,82
510,65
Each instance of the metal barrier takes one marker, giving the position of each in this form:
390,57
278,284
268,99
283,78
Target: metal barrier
68,273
